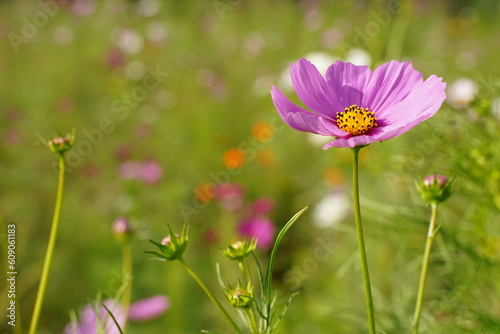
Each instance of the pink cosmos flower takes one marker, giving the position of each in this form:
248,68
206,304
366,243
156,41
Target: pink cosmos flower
259,227
143,310
359,106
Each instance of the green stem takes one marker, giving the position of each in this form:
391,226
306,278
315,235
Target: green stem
50,250
251,320
361,241
210,295
425,268
399,30
127,277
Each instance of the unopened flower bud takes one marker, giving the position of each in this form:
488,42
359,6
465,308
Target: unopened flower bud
240,249
435,188
121,229
240,297
172,246
61,144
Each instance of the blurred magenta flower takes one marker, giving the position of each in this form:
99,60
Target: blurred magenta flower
263,206
260,227
359,106
143,310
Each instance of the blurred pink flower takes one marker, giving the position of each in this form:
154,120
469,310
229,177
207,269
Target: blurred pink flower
230,195
115,58
263,206
148,308
260,227
151,172
143,310
130,170
89,321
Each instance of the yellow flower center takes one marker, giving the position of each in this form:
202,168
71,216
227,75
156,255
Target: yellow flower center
356,121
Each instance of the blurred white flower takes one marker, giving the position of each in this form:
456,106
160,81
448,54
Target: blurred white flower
358,57
82,7
321,60
461,92
129,40
330,210
135,70
148,8
63,35
156,31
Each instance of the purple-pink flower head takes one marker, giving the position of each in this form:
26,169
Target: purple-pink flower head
95,319
359,106
259,227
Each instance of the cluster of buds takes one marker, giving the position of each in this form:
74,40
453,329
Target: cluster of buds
60,145
172,246
435,188
240,297
240,249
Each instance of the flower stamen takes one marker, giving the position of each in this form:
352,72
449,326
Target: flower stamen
356,120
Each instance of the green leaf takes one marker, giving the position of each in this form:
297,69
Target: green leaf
280,236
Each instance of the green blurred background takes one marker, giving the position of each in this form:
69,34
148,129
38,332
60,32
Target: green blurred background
78,65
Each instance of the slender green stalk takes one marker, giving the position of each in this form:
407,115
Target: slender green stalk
399,29
210,295
241,265
50,250
431,234
361,241
127,277
250,314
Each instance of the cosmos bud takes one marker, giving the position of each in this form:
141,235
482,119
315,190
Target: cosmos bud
435,188
240,249
172,246
121,229
240,297
61,144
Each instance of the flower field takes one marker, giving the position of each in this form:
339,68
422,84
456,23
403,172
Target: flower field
140,138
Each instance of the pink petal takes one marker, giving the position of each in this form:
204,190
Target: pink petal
148,308
390,83
313,90
301,119
351,141
348,81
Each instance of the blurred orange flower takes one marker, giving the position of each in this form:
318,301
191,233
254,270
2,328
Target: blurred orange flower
333,176
205,192
234,158
262,131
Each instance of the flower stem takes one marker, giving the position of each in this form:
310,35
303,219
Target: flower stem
50,250
210,295
425,268
361,241
251,320
127,277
